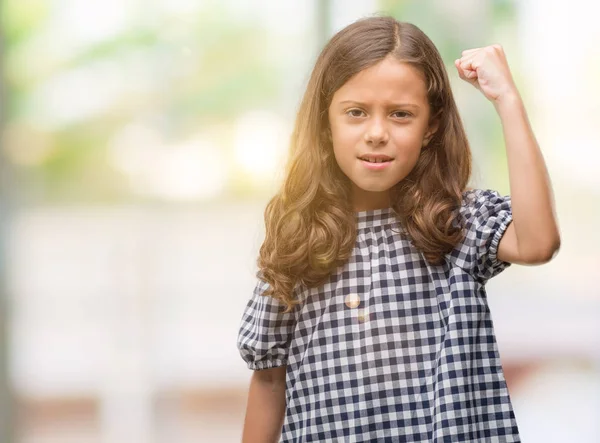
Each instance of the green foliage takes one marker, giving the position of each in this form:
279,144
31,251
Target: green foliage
211,69
19,18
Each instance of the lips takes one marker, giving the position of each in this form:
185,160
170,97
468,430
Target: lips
375,158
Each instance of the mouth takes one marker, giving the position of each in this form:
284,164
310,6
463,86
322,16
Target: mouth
374,161
376,164
376,158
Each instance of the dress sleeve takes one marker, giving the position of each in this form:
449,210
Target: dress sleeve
266,331
486,216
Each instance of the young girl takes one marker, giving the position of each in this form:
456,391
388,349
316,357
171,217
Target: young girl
369,320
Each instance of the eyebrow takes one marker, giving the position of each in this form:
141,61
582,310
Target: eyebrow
392,105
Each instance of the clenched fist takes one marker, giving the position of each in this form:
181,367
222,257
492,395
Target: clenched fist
487,69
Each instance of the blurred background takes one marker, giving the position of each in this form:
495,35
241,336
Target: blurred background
140,143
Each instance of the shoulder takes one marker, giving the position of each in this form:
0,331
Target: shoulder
486,215
483,203
473,198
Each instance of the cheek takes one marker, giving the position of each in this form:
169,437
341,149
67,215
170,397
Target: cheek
407,143
344,134
342,152
345,141
409,134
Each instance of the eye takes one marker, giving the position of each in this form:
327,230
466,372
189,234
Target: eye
402,114
354,113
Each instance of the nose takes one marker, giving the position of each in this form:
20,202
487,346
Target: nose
376,132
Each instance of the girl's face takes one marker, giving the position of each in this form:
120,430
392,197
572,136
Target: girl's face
381,111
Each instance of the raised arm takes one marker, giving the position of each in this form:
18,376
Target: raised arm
533,236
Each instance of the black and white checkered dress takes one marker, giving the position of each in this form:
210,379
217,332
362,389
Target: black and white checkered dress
391,348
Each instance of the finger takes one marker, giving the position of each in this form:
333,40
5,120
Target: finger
467,58
468,76
459,66
469,63
463,74
471,75
460,70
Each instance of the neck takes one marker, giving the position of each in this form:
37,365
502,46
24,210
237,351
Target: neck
370,200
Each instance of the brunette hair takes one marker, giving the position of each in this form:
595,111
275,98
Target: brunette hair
310,222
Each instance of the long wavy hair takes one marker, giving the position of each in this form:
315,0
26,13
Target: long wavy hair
310,222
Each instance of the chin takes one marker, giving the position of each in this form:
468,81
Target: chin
374,187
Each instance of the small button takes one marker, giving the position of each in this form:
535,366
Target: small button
352,300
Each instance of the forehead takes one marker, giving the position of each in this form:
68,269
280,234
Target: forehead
387,81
